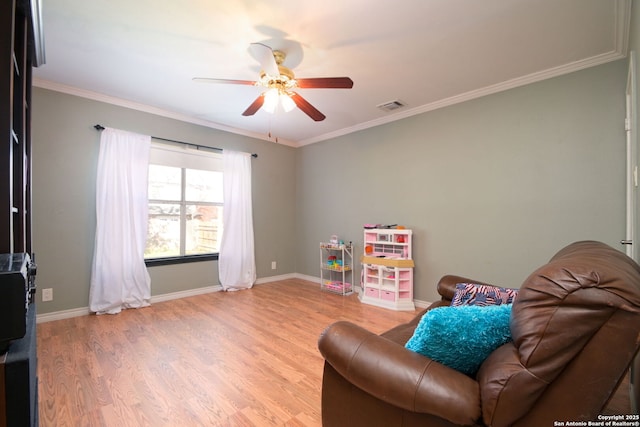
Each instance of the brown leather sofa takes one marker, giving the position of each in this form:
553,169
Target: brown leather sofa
575,326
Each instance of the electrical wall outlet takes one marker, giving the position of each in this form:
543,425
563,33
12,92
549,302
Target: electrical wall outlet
47,294
273,265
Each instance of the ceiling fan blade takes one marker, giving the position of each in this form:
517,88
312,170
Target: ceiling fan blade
264,55
307,108
326,82
226,81
255,106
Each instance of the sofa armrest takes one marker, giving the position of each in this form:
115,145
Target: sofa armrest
398,376
447,285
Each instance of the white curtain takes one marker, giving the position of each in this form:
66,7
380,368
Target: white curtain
119,277
236,262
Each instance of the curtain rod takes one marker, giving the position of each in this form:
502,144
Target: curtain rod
254,155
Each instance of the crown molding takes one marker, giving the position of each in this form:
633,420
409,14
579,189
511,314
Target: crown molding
622,26
100,97
478,93
620,49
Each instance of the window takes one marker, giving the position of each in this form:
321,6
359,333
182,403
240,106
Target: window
185,204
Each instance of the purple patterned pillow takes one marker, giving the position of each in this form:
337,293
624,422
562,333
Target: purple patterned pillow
475,294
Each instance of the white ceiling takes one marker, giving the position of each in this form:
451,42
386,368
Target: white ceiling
426,53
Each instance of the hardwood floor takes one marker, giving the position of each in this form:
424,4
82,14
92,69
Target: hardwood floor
245,358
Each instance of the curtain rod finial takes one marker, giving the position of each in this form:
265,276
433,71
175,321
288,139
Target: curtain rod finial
99,127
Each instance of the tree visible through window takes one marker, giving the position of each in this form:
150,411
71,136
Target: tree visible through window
185,212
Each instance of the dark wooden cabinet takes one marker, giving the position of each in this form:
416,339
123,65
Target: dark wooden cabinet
20,50
18,379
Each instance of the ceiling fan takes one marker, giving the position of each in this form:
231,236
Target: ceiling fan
280,84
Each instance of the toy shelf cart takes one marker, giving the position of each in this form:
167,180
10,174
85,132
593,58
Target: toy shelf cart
336,268
387,269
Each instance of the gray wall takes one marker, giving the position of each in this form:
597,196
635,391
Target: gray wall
65,153
491,187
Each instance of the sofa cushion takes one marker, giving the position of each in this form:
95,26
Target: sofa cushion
462,337
476,294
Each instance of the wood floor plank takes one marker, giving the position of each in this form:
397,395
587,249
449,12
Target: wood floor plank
228,359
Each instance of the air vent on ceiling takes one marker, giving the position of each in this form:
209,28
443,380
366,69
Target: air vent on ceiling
391,105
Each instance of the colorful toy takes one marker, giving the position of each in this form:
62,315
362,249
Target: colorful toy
331,260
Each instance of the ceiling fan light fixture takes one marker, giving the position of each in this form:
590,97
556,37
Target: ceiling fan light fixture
271,98
280,84
287,102
274,97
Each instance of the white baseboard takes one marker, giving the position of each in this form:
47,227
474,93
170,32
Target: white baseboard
307,278
421,304
64,314
185,294
275,278
357,288
84,311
